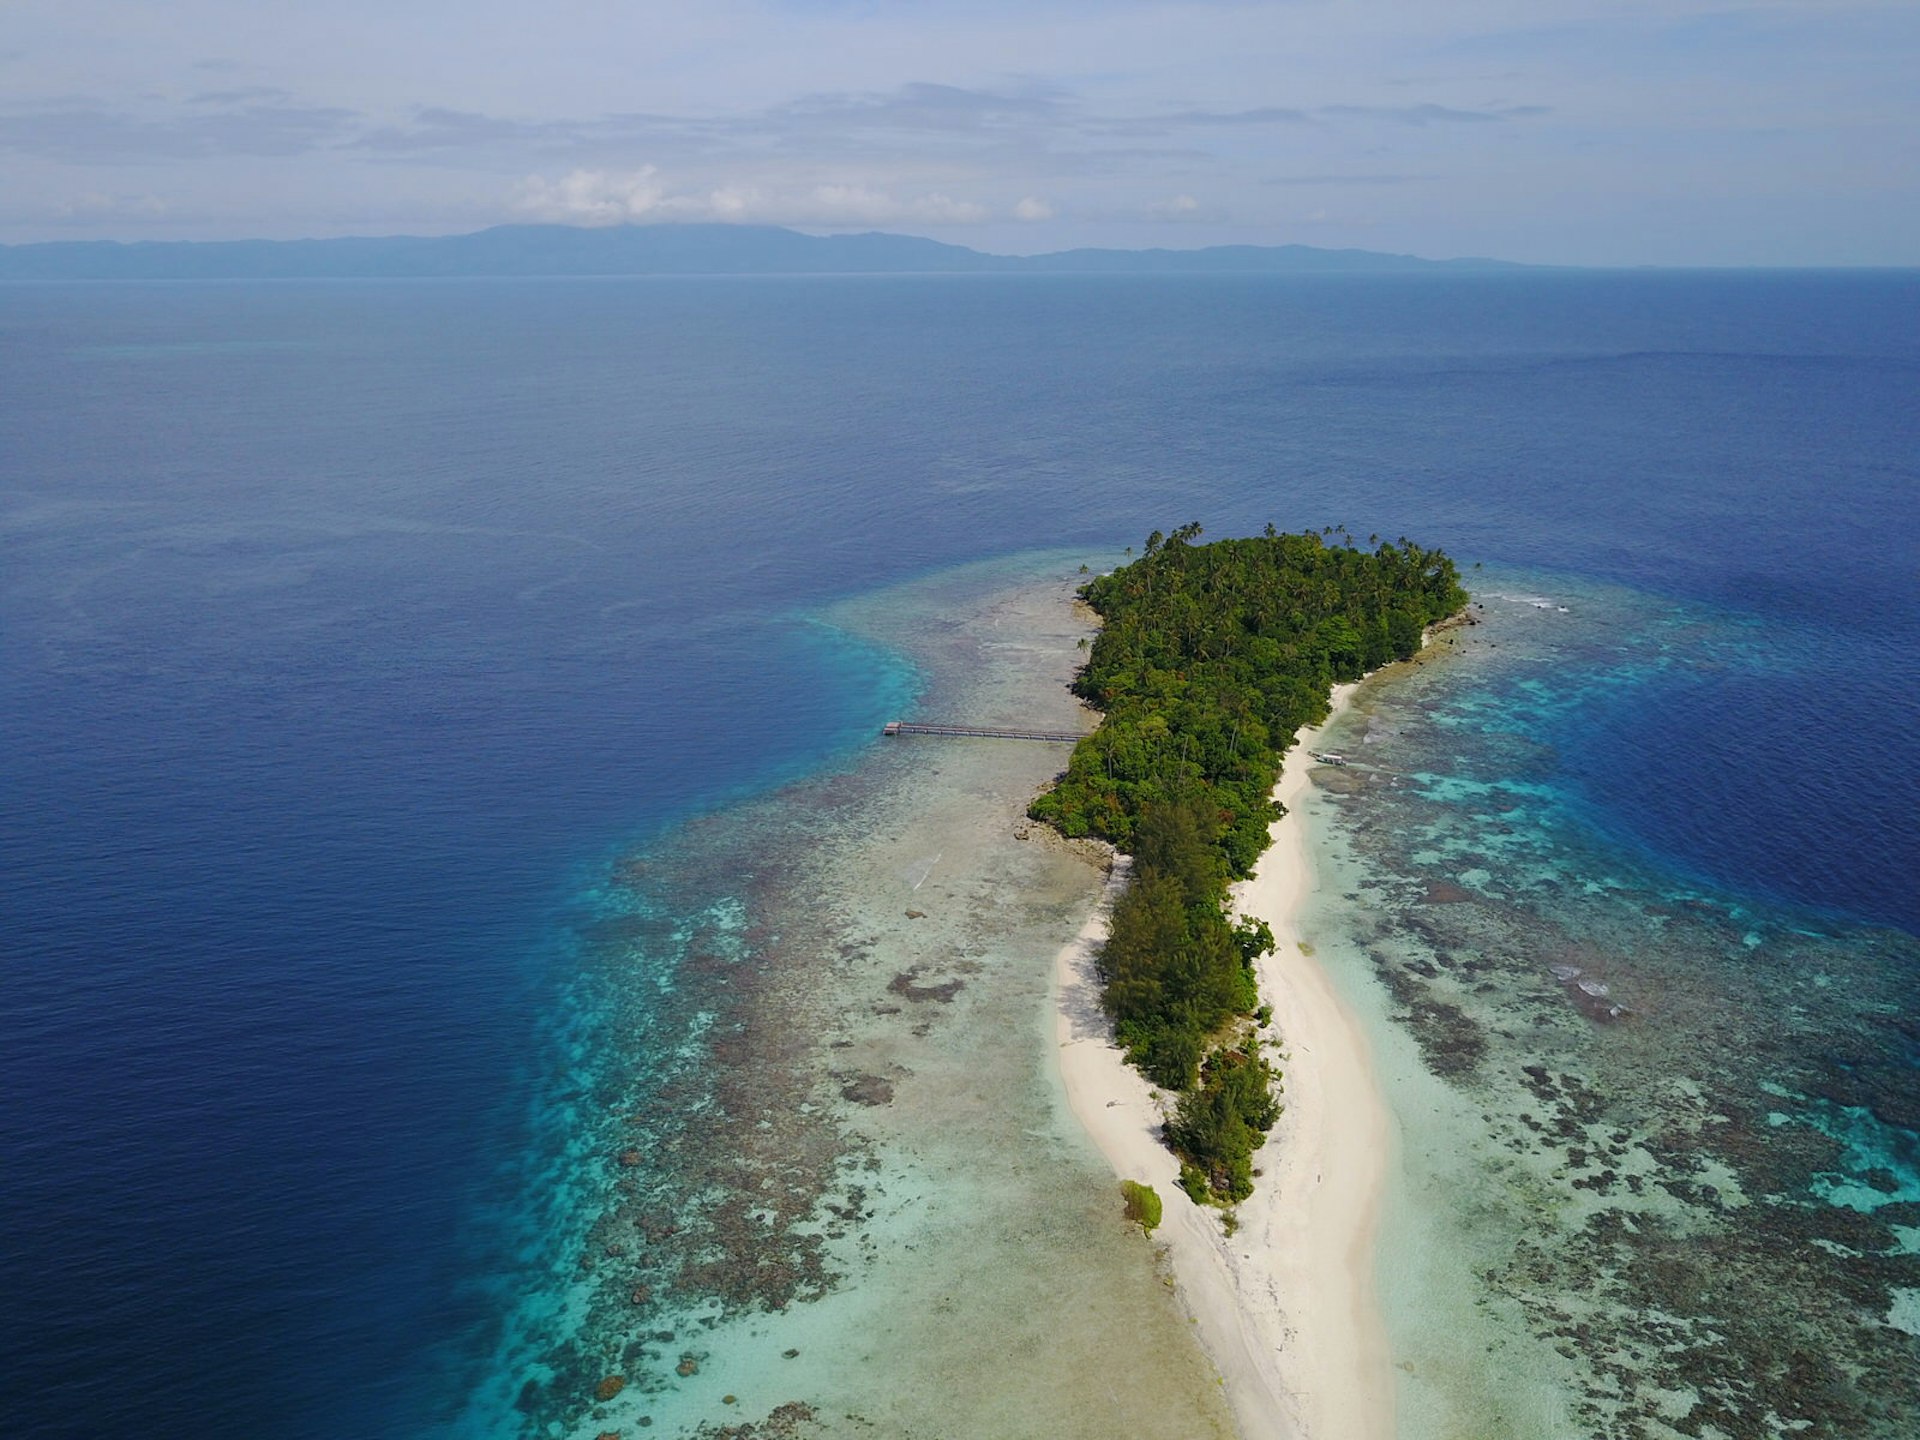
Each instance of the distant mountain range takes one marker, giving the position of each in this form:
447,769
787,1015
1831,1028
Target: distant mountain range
531,250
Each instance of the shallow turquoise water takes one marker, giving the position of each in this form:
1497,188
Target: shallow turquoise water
353,634
1658,1170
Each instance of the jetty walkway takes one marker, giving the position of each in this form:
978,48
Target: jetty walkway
984,732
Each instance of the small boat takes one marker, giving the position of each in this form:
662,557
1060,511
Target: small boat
1327,758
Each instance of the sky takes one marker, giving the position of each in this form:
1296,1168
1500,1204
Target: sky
1609,132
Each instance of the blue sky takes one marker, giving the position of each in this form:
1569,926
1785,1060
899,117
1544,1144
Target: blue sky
1580,131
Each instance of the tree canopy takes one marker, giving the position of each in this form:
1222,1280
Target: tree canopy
1209,659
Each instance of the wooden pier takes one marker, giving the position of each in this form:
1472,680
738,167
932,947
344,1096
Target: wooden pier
982,732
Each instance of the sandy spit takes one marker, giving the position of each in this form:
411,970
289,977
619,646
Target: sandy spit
1285,1306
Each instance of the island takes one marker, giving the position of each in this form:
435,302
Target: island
1209,660
1214,664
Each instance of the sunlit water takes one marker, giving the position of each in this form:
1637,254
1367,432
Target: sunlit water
1657,1134
426,711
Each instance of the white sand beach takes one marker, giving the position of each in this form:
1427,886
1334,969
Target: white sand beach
1286,1305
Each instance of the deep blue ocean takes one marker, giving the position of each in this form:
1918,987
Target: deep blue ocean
349,631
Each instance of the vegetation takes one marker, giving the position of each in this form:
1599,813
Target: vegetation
1219,1122
1209,659
1143,1204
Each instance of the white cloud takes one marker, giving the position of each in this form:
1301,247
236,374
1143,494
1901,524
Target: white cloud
727,204
1032,208
835,204
592,197
612,197
1783,128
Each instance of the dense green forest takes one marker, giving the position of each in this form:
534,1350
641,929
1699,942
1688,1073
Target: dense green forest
1209,659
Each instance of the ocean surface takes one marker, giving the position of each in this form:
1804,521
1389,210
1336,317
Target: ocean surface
426,709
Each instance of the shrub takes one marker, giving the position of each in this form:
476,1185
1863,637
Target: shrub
1219,1123
1193,1180
1171,1059
1143,1204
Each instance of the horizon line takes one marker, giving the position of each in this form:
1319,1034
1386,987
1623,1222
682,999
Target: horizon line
829,233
